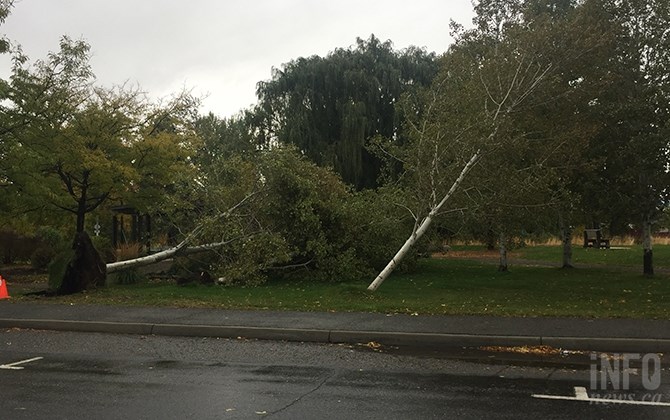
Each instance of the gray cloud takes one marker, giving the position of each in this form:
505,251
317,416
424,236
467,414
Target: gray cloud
222,48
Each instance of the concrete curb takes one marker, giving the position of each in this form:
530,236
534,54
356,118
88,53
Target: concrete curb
261,333
431,340
633,345
78,326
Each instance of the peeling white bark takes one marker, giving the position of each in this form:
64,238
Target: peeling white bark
160,256
504,106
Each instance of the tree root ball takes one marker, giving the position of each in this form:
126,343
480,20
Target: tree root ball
85,270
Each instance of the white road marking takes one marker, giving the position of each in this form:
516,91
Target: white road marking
15,364
582,395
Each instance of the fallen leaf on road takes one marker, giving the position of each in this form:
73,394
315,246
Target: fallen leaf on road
374,345
523,349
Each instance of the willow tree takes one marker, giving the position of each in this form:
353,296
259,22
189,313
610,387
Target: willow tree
329,107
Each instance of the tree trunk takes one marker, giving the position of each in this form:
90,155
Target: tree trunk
502,266
648,262
423,226
490,240
160,256
180,249
566,239
81,212
81,218
85,270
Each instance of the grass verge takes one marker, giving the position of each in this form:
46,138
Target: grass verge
440,286
629,256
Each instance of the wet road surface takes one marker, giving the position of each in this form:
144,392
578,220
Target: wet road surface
56,375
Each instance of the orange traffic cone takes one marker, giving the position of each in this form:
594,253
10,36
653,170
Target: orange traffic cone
3,289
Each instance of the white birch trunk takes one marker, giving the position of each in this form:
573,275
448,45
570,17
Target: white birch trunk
180,249
423,226
160,256
503,108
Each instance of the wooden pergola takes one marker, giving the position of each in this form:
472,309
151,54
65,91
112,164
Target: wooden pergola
130,226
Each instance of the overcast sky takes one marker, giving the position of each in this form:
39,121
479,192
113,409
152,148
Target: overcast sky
220,48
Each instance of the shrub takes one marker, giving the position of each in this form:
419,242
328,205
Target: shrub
58,267
42,257
104,247
129,276
376,228
194,268
127,251
303,222
50,243
52,237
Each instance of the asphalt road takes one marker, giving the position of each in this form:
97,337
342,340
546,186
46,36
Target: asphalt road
85,375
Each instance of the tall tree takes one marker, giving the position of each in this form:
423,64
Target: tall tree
5,9
631,183
223,138
329,107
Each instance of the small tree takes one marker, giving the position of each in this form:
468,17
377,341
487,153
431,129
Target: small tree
74,147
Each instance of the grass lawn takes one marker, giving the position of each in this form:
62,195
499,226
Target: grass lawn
439,286
618,256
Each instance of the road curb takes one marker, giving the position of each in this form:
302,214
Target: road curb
432,340
633,345
79,326
261,333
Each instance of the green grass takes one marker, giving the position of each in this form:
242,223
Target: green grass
630,256
440,286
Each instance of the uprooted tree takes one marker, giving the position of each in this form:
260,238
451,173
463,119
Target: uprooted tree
275,213
72,147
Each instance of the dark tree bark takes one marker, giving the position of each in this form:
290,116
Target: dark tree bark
490,240
566,239
503,266
648,253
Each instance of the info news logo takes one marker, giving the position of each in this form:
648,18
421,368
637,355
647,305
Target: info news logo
612,373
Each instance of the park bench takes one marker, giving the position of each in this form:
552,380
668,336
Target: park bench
593,238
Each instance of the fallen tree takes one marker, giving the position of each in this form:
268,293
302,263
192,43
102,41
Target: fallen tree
422,227
180,249
469,115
